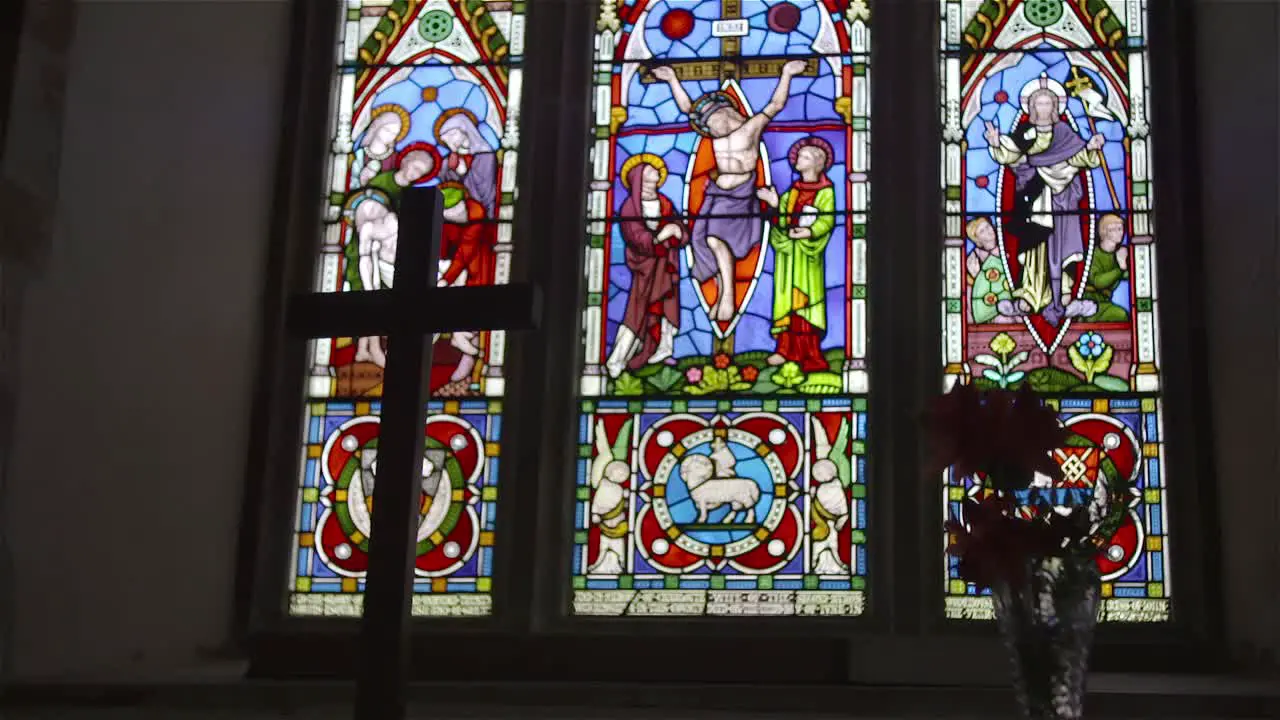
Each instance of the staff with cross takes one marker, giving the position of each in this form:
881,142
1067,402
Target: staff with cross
407,314
1081,87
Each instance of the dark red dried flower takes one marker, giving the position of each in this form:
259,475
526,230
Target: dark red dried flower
1006,435
996,545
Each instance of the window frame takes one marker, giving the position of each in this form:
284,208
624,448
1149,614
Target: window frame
1183,394
261,613
532,561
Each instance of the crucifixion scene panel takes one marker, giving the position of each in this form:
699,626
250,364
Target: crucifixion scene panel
723,417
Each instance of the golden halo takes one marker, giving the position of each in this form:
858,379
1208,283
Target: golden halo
450,113
1044,82
399,112
649,159
378,196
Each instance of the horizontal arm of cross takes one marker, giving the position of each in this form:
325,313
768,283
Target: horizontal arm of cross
750,67
385,312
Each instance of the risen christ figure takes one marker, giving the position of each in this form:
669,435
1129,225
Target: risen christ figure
734,224
1046,156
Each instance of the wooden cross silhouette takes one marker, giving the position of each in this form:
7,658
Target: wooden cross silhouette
407,314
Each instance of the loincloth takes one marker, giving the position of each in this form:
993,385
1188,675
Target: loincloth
741,231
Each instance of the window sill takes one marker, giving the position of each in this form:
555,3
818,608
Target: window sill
214,689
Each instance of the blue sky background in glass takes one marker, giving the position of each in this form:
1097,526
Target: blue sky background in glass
450,93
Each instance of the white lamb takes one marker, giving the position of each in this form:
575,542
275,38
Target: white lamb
709,492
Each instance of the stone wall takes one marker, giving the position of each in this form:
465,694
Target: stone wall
30,160
32,105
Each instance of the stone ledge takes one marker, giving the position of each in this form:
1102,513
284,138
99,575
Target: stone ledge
1118,696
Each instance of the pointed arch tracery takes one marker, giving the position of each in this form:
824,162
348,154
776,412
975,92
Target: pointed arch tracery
1049,258
750,356
427,93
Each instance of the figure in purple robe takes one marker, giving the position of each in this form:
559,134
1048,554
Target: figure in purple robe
471,161
1043,222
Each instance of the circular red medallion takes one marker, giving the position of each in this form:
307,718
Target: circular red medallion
783,17
981,181
1002,96
677,24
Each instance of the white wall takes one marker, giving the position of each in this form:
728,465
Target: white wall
139,342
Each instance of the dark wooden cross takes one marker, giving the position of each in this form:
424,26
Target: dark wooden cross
407,314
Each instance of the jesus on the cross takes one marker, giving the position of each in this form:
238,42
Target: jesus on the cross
733,224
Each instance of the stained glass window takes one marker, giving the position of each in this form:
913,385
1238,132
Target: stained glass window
426,93
1049,256
723,415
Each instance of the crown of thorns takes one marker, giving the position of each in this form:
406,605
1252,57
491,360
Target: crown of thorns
706,106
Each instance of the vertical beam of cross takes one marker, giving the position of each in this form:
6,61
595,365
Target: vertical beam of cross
381,688
730,47
407,314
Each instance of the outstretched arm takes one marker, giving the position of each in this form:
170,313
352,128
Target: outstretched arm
681,97
757,123
1091,155
782,92
1000,146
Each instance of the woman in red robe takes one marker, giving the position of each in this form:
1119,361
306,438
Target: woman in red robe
652,236
468,259
466,240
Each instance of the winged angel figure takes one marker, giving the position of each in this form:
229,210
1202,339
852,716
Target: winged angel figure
609,475
832,475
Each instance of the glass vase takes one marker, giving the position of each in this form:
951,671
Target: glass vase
1047,625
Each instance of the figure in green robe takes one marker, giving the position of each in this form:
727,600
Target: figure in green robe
989,285
416,163
799,235
1108,268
